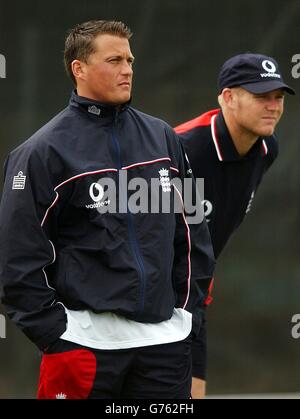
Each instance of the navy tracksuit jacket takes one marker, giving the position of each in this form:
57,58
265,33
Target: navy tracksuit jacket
57,250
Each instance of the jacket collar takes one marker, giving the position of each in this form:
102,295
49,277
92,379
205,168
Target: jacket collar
95,108
224,144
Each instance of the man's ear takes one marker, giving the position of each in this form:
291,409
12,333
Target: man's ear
220,100
78,69
228,98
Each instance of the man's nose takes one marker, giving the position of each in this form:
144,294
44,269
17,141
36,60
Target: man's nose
273,105
127,68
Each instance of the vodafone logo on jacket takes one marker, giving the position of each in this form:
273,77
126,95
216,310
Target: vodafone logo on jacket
96,192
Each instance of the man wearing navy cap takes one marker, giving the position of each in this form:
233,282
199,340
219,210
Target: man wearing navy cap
232,148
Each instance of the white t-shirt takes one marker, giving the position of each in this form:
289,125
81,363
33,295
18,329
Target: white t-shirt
109,331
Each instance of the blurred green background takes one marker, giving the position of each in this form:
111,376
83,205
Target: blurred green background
179,47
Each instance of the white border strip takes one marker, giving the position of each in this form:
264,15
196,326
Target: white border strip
214,136
265,147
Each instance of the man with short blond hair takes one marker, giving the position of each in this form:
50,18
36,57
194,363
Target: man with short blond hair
232,148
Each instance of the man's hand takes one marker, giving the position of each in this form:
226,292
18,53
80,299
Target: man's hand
198,388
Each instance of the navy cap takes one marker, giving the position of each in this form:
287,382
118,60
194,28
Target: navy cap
254,73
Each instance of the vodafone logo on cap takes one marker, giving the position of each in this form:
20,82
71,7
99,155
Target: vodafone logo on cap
270,69
269,66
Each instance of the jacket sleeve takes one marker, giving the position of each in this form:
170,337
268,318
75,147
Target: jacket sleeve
26,249
194,257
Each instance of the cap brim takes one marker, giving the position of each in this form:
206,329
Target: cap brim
267,86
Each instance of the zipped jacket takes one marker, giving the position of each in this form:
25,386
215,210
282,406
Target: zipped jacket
58,248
